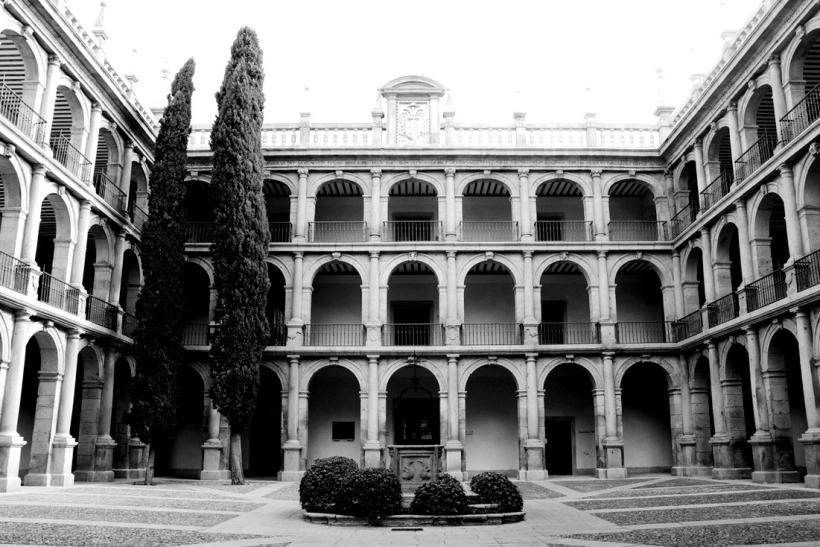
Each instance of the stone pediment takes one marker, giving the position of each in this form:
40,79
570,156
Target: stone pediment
413,85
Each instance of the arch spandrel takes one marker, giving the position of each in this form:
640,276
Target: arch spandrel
203,263
204,372
656,188
473,366
288,182
747,105
280,369
52,346
657,265
92,358
284,268
767,334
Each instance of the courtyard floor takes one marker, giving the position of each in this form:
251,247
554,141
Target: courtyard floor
565,511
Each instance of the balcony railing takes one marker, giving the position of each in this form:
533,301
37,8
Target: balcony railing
413,334
688,326
200,232
58,293
138,218
723,310
807,271
637,230
766,290
644,332
491,334
490,230
109,191
335,335
101,313
804,113
757,154
71,158
280,232
412,230
196,335
14,274
21,115
682,220
717,189
338,231
563,230
129,325
278,333
569,333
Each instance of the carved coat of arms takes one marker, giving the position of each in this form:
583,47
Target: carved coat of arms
414,124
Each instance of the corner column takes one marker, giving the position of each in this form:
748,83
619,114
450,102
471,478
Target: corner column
734,133
452,324
125,175
375,204
93,132
778,95
453,448
374,323
613,445
708,269
296,323
530,322
700,170
32,227
50,98
292,448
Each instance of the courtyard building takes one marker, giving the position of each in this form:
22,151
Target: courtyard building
537,299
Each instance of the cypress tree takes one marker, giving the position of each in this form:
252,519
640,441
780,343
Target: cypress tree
161,307
240,241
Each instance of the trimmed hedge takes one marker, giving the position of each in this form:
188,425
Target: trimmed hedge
320,485
371,493
498,489
444,496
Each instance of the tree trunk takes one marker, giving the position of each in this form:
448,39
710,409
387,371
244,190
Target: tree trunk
149,465
237,473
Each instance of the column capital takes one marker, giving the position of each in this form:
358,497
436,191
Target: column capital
774,59
528,254
129,144
798,311
85,204
298,255
785,170
293,359
375,172
668,172
596,173
450,172
374,254
750,330
451,254
372,357
452,357
740,203
601,254
55,60
523,172
39,169
74,334
96,107
732,106
698,143
710,343
675,253
23,315
531,356
303,172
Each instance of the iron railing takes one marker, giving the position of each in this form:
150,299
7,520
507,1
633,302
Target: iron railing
338,231
766,290
490,230
723,310
71,158
644,332
569,333
280,232
101,313
199,232
21,115
490,334
129,325
757,154
278,333
14,274
412,230
688,326
799,118
682,220
196,335
807,271
109,191
138,217
335,335
563,230
637,230
717,189
58,293
413,334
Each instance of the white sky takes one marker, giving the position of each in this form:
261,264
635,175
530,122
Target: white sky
343,50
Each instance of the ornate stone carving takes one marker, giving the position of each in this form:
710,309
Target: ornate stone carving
303,172
413,173
336,256
668,172
732,106
752,85
638,255
9,150
799,31
412,256
487,173
559,173
632,173
564,255
449,172
596,172
774,59
814,149
713,126
375,172
413,126
27,31
489,256
523,172
340,174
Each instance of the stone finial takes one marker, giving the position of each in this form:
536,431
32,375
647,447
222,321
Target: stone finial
448,106
377,107
99,25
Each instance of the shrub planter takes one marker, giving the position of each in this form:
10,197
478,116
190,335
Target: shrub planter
410,521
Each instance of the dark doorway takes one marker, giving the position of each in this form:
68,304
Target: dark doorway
416,421
553,313
412,320
559,446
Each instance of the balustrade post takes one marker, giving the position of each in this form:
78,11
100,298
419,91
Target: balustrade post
50,98
375,205
292,448
453,447
778,95
734,133
372,447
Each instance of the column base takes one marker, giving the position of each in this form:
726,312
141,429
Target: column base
534,449
613,460
129,474
692,471
37,479
104,460
811,447
611,473
215,475
62,455
764,477
291,476
292,471
211,457
11,447
453,454
731,473
372,454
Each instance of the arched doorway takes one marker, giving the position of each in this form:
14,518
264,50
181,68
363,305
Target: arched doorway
197,293
130,284
489,306
413,408
275,310
639,304
632,214
559,210
565,317
412,212
120,431
198,212
413,307
569,421
647,430
334,415
491,440
339,213
85,409
487,212
788,406
336,307
694,291
277,207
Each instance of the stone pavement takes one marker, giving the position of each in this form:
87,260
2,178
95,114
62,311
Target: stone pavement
565,511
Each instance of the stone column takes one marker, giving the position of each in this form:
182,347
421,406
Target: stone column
11,443
761,441
811,438
116,276
212,448
105,444
687,459
533,445
296,323
790,208
63,445
598,206
32,227
93,133
125,175
78,266
49,383
605,317
680,310
452,324
530,322
524,201
700,169
300,233
613,445
708,272
374,322
453,448
451,226
372,446
721,451
734,133
375,204
50,97
293,447
778,96
746,266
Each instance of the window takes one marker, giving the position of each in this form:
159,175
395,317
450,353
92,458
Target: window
343,431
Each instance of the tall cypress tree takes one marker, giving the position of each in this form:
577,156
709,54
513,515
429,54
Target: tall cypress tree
161,306
240,241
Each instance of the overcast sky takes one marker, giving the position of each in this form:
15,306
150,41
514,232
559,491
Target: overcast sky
552,51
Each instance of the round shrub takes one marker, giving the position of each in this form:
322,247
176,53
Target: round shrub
444,496
371,493
319,488
498,489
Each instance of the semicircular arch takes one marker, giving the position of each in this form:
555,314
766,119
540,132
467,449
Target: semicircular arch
506,364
